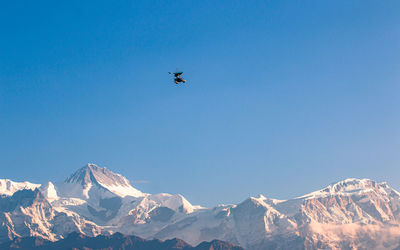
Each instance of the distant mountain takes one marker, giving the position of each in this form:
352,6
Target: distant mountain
115,241
353,213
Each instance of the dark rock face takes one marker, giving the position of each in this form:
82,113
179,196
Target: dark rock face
217,245
161,214
25,243
23,198
110,207
115,241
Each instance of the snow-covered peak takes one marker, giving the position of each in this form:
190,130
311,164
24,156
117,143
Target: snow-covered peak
92,175
49,191
350,186
8,187
173,201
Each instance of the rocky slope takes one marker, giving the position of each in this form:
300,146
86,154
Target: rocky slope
352,213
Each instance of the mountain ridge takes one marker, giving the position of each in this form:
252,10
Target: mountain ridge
114,241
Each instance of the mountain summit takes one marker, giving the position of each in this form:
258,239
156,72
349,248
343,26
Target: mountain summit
92,175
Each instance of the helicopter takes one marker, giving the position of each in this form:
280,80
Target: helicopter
178,77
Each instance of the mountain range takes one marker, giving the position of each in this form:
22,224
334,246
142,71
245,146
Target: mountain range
94,201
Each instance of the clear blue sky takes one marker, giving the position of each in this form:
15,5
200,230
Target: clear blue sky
284,97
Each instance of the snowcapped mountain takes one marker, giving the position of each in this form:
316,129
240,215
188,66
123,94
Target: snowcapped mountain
353,213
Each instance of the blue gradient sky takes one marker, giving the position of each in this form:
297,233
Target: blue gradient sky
284,97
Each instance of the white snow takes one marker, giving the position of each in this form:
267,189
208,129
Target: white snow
8,187
49,191
346,187
123,190
86,189
174,202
